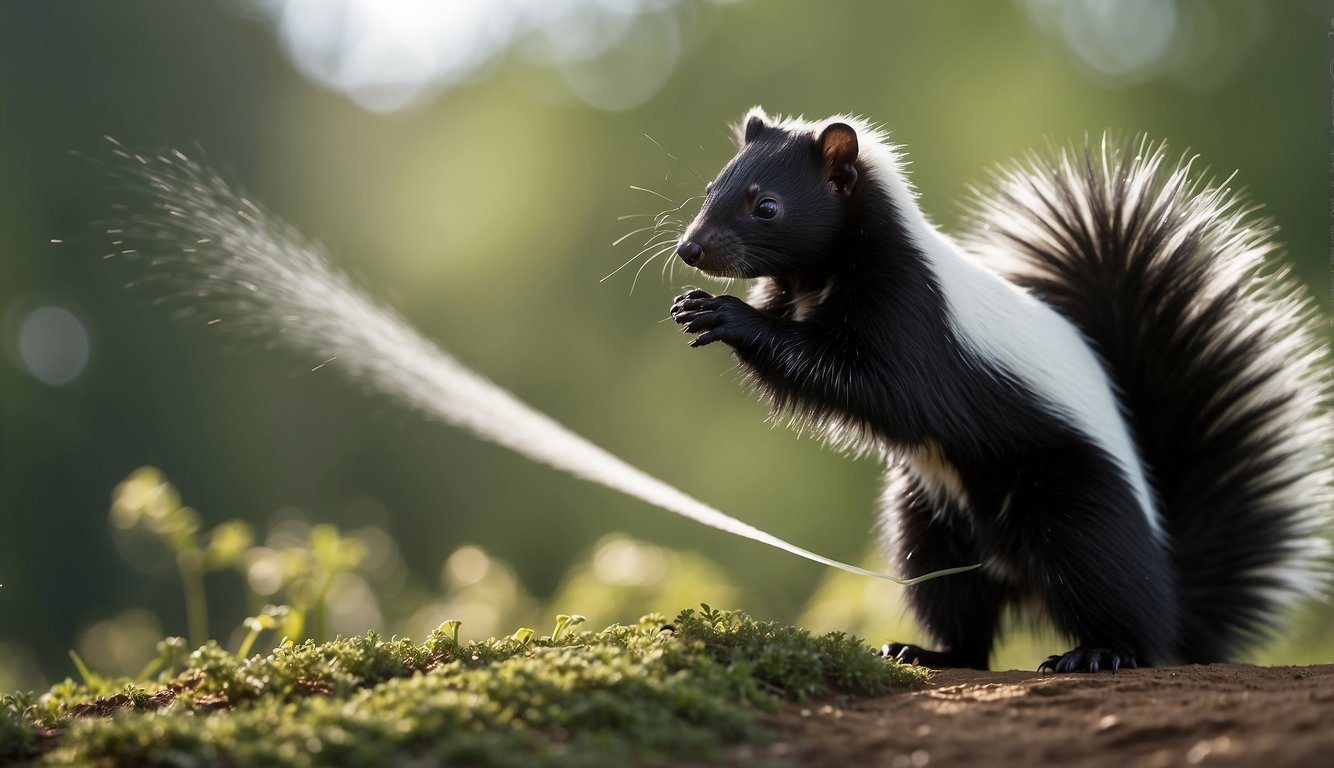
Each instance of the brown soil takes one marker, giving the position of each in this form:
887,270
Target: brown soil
1220,714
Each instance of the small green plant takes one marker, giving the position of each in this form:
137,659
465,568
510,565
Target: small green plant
271,618
307,574
448,629
90,679
565,622
171,654
19,732
145,499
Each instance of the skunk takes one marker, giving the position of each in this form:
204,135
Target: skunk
1104,392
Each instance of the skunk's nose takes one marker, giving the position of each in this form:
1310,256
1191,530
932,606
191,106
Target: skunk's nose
690,252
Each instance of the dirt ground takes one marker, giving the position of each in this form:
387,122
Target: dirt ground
1213,715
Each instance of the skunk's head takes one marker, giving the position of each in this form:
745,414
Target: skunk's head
777,207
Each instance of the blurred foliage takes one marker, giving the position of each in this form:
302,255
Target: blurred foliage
311,581
485,213
147,499
625,694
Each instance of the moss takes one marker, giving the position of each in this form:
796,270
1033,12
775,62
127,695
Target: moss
679,690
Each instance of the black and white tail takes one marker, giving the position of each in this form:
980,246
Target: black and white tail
1212,349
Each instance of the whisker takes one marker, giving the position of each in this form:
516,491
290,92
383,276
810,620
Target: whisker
653,243
694,171
680,207
665,249
618,269
688,201
669,271
651,192
632,233
658,239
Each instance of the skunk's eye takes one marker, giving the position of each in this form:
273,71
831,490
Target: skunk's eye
766,208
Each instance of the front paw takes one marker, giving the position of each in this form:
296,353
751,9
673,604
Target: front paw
714,318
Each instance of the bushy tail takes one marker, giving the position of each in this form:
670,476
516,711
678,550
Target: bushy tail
1212,348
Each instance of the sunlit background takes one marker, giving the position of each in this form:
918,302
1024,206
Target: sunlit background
471,162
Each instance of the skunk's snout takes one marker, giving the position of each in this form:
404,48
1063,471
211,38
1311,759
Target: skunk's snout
690,252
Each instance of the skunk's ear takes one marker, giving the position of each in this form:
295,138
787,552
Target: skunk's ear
837,146
752,125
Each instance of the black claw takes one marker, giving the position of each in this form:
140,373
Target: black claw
713,318
1088,659
694,293
689,301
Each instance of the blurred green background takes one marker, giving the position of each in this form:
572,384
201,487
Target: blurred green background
468,161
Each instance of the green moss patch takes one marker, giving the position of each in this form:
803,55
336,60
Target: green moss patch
666,690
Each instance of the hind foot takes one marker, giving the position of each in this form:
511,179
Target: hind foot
1087,658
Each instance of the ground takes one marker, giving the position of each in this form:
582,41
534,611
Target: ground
1220,714
715,687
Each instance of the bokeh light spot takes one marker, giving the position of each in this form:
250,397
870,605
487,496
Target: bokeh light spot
1128,42
52,345
385,56
467,566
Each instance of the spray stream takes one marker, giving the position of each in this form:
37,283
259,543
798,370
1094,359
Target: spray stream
220,249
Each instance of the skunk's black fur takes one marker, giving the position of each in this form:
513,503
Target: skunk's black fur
1141,448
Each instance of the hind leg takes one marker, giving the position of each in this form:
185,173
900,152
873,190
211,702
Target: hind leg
961,612
1115,599
1102,575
